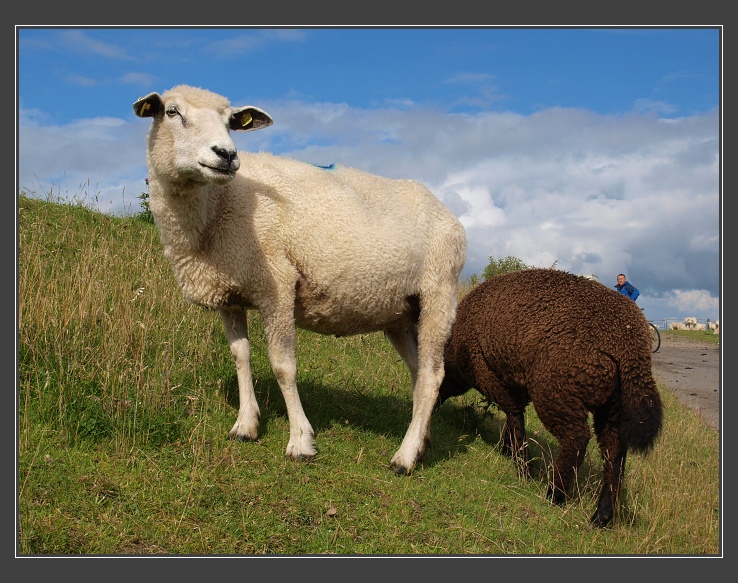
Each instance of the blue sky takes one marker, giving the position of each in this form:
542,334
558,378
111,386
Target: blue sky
595,148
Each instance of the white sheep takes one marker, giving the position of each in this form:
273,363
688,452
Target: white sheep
677,326
699,326
690,322
335,251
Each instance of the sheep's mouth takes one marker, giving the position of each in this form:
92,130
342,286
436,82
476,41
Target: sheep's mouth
228,171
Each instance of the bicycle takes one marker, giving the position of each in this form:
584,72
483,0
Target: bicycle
655,337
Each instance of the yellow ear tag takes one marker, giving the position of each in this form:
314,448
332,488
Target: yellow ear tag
144,107
246,119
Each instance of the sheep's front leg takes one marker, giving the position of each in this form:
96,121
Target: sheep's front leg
237,332
280,333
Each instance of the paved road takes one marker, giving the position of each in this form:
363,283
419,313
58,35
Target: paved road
691,371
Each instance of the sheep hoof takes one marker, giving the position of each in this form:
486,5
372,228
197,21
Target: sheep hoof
303,457
402,470
556,496
304,453
238,437
400,466
600,520
243,431
604,513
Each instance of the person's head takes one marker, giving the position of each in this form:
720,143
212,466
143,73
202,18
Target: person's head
621,278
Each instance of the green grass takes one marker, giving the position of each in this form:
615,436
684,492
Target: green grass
706,336
126,395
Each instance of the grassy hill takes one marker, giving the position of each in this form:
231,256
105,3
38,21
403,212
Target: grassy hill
126,394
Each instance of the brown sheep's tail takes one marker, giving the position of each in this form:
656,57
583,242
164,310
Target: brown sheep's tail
641,413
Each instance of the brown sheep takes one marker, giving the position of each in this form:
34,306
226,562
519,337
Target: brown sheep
571,346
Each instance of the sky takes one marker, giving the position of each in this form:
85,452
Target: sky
594,149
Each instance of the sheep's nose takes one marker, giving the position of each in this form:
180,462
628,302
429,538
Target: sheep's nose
227,154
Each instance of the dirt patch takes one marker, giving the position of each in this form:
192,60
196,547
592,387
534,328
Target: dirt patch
690,369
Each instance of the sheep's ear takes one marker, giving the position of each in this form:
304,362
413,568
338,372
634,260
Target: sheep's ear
148,106
249,118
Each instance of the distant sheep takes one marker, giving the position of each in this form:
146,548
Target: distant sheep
335,251
690,323
571,346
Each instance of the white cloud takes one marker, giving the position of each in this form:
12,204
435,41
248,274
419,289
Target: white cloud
692,302
644,105
134,78
81,80
99,160
81,42
471,78
596,194
244,44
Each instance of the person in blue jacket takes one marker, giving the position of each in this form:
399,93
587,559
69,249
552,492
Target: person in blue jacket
626,288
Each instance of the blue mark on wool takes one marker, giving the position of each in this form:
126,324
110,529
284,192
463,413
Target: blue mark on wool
329,167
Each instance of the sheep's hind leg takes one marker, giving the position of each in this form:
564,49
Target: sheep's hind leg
573,435
515,443
404,338
613,452
417,437
246,427
435,322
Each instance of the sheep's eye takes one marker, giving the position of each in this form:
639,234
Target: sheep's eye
173,112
